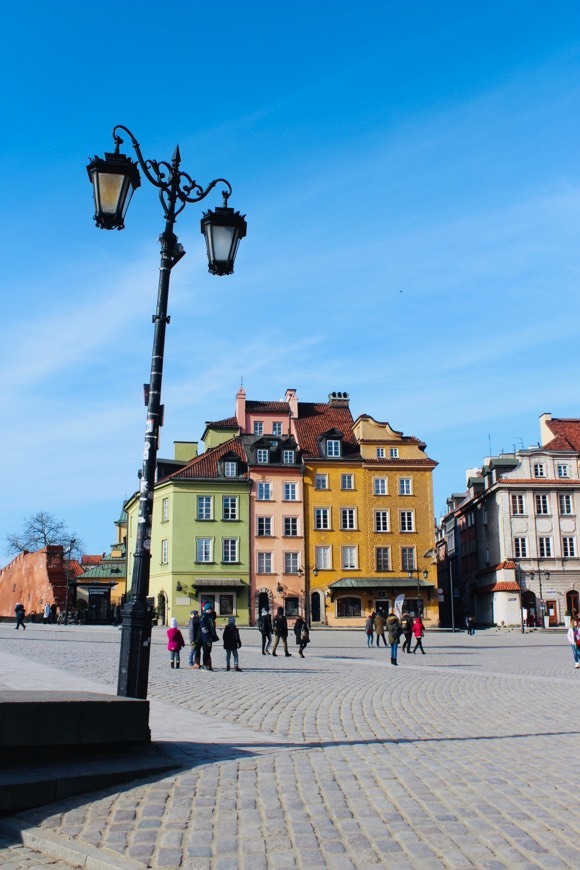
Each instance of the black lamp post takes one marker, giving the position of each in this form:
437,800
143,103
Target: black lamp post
307,602
114,180
541,605
416,571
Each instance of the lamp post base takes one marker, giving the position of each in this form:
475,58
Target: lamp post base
135,650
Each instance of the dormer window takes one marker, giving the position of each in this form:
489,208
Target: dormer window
394,452
230,469
380,452
288,457
262,456
539,470
333,447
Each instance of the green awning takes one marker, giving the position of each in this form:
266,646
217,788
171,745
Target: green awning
217,582
380,583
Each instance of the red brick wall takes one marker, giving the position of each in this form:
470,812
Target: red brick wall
33,579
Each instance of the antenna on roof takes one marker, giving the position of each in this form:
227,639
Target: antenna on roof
242,381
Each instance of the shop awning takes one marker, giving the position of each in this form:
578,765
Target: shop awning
217,582
380,583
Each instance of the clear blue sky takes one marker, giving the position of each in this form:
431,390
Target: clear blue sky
410,173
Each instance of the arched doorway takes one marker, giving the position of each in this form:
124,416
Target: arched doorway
262,601
315,607
572,603
530,608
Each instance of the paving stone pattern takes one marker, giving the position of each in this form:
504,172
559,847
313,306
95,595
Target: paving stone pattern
464,757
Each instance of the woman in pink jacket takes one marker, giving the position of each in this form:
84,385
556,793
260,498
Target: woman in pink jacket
175,643
419,632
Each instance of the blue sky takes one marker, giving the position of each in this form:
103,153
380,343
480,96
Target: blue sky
410,172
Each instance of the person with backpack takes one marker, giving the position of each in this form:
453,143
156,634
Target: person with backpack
232,643
208,635
393,634
19,613
369,628
265,629
280,632
302,635
193,627
407,627
175,643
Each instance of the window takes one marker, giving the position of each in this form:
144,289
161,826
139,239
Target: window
321,481
290,492
164,552
208,598
517,504
381,521
230,550
288,457
539,470
541,503
347,481
545,547
265,563
230,506
291,563
568,547
405,486
383,558
380,452
349,560
276,428
165,510
348,607
263,527
258,427
203,550
520,548
565,502
347,518
322,557
407,521
204,507
321,518
264,492
332,447
290,527
226,604
562,470
230,469
380,486
394,452
262,456
408,558
291,606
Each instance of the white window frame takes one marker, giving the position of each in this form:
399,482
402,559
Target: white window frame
288,457
291,562
333,447
383,550
204,508
323,557
565,503
165,510
562,470
542,504
290,527
539,470
204,548
231,469
264,562
408,558
520,547
568,546
517,503
380,452
232,501
405,486
321,481
348,519
290,491
347,481
262,456
394,452
380,483
406,521
230,551
264,491
545,547
349,557
258,427
382,521
276,428
322,518
164,551
266,523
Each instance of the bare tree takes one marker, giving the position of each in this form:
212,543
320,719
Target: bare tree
43,530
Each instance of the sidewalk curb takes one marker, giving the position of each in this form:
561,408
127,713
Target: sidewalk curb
69,851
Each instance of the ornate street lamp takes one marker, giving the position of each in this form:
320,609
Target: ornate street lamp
307,602
412,572
114,180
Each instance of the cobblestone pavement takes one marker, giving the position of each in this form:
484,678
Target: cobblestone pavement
464,757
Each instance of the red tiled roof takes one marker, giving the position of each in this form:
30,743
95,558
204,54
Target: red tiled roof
566,434
268,407
205,466
91,560
539,481
428,462
500,586
228,423
316,418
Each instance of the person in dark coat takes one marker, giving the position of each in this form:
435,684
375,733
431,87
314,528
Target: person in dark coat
232,643
19,613
393,634
380,628
407,626
265,629
280,632
208,635
302,635
193,627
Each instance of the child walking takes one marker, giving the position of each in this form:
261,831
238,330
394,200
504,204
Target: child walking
175,643
232,643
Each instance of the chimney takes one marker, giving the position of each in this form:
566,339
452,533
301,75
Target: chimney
241,409
546,433
292,400
338,400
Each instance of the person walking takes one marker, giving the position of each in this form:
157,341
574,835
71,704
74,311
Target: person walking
194,630
46,614
369,628
573,636
208,635
302,635
175,643
232,643
380,623
419,633
19,613
393,634
280,632
407,626
265,629
471,626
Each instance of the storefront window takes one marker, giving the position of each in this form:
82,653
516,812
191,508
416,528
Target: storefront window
348,607
291,606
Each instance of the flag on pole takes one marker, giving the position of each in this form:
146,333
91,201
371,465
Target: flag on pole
399,605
